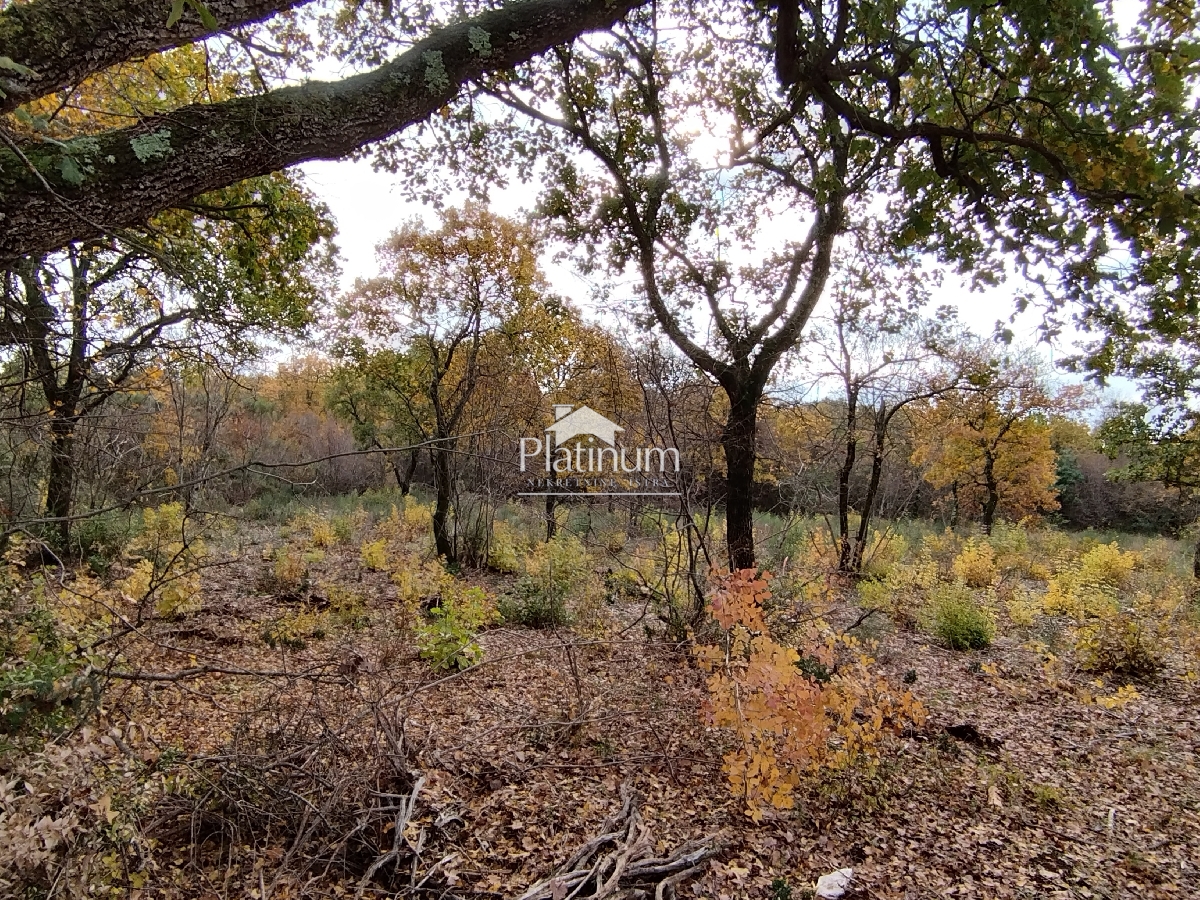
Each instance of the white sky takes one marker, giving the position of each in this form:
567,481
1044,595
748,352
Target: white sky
368,205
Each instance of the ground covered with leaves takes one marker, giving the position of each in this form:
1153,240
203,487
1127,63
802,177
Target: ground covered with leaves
294,725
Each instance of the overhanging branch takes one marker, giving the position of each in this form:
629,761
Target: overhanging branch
122,177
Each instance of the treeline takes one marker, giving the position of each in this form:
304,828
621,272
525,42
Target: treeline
434,370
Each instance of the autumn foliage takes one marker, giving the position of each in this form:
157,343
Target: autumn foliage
792,714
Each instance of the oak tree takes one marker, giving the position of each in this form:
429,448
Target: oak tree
1018,136
59,185
433,323
989,441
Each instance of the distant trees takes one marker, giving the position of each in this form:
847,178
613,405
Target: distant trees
1156,447
989,441
884,357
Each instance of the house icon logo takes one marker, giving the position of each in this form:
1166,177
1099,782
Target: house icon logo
570,423
582,454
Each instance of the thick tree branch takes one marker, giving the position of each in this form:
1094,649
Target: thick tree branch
63,41
131,173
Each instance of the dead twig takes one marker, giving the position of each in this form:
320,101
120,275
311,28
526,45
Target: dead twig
618,863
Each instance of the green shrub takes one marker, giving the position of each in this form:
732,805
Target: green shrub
534,605
447,640
558,585
504,548
958,620
41,685
100,540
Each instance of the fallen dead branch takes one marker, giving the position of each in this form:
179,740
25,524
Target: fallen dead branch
619,863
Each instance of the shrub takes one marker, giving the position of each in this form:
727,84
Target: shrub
558,585
295,628
421,584
975,564
100,540
323,531
408,528
1092,586
346,607
534,605
1124,643
1128,609
884,551
288,575
169,571
61,833
447,640
941,548
958,620
374,555
504,549
792,713
900,592
1133,639
1023,607
41,683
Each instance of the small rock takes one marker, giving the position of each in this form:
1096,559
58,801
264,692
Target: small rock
833,885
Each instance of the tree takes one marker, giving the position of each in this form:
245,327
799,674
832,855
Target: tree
89,320
885,358
990,440
376,394
1160,446
63,187
434,322
1000,134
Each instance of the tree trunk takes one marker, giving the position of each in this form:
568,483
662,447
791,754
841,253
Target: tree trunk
551,522
864,523
1196,561
60,481
739,440
993,493
845,550
404,477
443,486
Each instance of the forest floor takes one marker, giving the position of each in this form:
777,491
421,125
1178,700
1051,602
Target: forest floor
341,749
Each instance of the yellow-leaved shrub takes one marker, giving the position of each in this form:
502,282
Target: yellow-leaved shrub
504,548
975,564
791,713
168,573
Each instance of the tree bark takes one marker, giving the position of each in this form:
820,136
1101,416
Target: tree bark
123,177
864,522
404,476
551,521
64,41
60,478
993,493
739,440
845,549
443,488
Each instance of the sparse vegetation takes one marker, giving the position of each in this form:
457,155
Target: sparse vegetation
658,526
